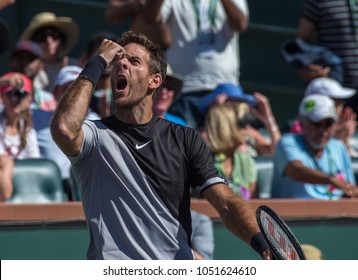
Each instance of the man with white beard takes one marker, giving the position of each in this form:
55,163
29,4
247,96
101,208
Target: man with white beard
313,165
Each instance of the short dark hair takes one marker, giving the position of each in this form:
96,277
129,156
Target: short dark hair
157,60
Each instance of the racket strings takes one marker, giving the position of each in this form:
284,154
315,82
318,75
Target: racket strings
278,238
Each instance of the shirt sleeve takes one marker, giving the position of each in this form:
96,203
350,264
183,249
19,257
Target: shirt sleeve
90,139
253,170
287,150
202,170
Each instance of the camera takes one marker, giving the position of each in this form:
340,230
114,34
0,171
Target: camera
17,95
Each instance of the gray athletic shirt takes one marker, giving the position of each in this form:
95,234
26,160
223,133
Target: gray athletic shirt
135,184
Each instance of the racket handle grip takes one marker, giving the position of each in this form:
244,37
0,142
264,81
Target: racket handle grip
258,243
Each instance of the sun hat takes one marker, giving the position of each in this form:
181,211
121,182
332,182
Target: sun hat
27,86
176,81
330,88
27,46
67,25
67,74
317,107
233,91
4,36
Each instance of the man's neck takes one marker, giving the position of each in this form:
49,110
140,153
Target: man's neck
134,115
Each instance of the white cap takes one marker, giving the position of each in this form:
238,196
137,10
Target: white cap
67,74
328,87
317,107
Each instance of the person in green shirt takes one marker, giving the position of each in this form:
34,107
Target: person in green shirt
224,139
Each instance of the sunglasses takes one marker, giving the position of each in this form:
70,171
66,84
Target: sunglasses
42,34
328,123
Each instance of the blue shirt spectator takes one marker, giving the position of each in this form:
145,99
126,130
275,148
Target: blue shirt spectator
313,165
334,159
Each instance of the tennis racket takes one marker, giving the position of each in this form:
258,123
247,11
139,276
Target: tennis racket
282,242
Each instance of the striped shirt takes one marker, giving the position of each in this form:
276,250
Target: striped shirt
336,30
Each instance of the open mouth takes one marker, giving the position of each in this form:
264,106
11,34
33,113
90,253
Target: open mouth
121,83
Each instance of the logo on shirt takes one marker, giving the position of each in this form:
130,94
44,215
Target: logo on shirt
138,147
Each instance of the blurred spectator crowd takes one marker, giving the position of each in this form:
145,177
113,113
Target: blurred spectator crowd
312,158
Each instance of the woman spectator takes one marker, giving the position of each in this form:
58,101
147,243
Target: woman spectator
258,141
250,109
224,139
17,136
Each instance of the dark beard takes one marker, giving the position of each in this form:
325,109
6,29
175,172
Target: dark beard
129,104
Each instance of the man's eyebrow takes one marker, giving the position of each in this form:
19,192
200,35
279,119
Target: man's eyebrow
129,57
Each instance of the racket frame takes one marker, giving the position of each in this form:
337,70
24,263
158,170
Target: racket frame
285,228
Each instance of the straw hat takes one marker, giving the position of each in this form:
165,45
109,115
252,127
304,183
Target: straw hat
4,36
65,24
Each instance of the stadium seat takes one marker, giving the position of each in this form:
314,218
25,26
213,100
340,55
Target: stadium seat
37,181
355,167
264,165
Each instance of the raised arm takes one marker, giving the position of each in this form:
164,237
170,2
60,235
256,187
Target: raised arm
237,18
66,126
264,113
5,3
119,10
238,216
306,30
150,22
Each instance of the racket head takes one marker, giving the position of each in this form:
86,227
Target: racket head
281,240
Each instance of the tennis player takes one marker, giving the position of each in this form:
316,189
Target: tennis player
135,170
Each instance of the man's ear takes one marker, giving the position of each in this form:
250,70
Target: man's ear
155,81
